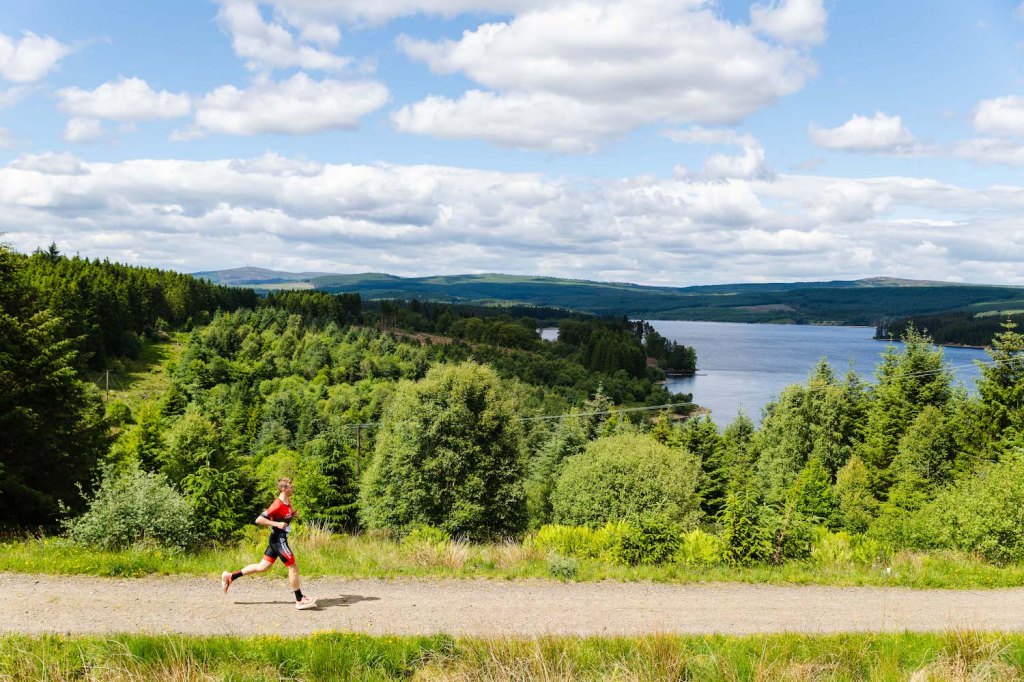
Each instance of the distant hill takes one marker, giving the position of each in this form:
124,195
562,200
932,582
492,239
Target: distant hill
252,276
857,302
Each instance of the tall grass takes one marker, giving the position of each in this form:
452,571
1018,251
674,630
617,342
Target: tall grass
322,553
335,656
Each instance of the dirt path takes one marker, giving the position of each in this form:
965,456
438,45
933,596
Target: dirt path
36,604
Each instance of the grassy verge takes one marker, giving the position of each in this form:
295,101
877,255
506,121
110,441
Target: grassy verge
324,554
336,656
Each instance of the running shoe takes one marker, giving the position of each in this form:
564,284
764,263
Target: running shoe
305,603
225,580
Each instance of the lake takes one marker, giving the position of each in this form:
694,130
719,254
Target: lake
742,366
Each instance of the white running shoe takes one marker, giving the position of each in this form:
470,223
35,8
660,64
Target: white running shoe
225,580
305,603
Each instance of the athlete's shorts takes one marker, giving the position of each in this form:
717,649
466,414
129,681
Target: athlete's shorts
278,547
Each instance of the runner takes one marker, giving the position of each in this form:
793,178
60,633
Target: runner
278,517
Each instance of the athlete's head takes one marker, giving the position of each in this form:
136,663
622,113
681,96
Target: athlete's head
284,484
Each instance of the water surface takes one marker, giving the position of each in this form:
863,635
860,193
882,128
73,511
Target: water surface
742,366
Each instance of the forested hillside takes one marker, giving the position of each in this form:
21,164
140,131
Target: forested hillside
866,302
429,421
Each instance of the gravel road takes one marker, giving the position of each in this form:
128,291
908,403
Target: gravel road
38,604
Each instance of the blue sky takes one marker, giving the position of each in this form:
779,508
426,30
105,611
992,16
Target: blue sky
651,141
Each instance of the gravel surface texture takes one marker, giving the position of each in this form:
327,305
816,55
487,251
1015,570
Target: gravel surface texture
38,604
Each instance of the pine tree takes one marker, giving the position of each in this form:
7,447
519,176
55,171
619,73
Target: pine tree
908,381
857,505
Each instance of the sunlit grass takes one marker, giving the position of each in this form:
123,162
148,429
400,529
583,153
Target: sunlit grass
322,553
337,656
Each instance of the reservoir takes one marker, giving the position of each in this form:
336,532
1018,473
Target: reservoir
742,366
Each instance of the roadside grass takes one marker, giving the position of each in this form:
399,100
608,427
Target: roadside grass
960,655
369,556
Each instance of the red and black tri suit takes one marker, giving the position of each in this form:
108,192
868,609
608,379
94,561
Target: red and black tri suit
278,547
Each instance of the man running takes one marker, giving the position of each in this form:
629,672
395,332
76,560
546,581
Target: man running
278,517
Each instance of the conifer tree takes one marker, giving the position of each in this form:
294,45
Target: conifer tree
1002,390
908,381
857,504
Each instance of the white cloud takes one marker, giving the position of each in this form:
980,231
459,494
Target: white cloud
416,220
862,134
7,140
84,130
273,44
748,164
11,96
126,99
50,163
1000,116
601,68
990,150
796,22
306,12
29,59
296,106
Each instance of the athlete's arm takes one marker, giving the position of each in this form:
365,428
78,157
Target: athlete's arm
265,520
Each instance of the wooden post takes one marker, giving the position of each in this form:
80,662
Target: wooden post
359,448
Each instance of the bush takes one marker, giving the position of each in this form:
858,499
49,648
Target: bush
118,414
983,514
580,541
831,549
745,537
698,548
428,535
563,568
449,454
625,477
648,539
134,508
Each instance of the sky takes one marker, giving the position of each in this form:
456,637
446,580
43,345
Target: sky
650,141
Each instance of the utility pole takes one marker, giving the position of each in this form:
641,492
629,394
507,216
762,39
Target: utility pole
107,397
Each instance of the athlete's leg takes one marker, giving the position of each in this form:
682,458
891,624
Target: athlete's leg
293,577
226,578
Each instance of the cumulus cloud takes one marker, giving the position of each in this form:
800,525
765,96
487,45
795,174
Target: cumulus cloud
750,163
299,105
126,99
602,68
862,134
11,96
797,22
1000,116
84,130
273,44
29,59
416,220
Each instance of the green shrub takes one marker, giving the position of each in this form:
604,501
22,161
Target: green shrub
867,551
831,549
423,534
983,514
648,539
118,414
563,568
624,477
134,508
745,536
217,499
581,541
450,454
575,541
698,548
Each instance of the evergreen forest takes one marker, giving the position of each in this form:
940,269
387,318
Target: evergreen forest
419,419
